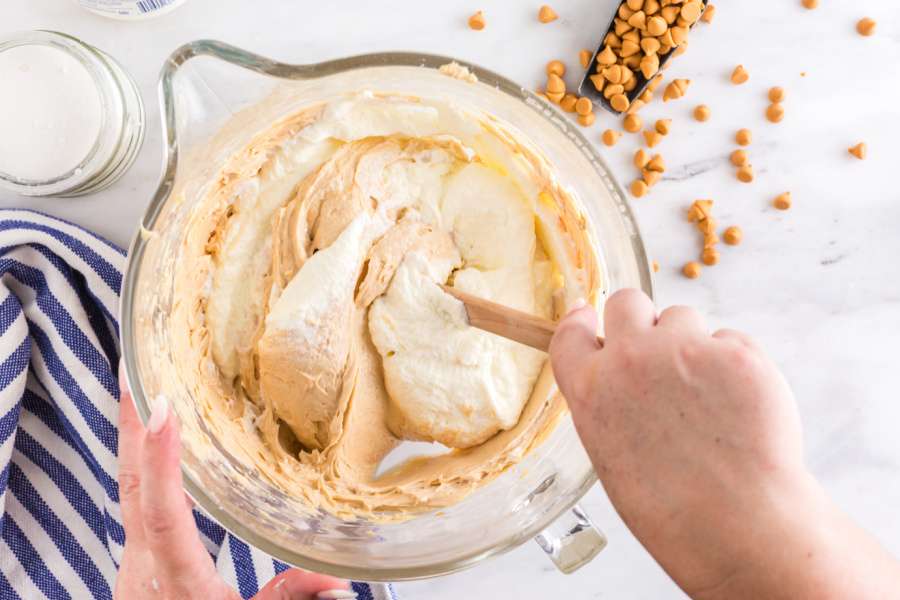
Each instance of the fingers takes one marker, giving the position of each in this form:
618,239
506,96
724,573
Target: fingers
169,527
574,340
628,312
684,320
131,434
295,584
737,337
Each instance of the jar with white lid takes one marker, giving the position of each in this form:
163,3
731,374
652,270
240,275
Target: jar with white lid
130,10
71,119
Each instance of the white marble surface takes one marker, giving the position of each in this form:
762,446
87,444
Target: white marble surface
819,285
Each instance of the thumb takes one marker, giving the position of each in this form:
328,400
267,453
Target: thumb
295,584
573,343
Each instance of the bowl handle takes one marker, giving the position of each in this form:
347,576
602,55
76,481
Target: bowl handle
571,541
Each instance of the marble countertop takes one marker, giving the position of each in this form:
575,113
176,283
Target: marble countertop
819,285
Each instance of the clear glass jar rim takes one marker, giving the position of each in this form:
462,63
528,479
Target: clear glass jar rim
263,65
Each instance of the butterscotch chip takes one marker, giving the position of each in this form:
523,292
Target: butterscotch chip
555,98
663,126
638,188
632,123
631,35
650,65
654,83
702,113
859,151
650,45
610,137
710,256
656,164
599,81
651,177
679,34
783,202
638,20
739,75
743,137
810,4
691,11
692,270
733,235
629,48
619,102
606,57
584,57
656,26
568,102
634,5
700,211
775,113
776,95
547,14
621,27
709,14
866,26
739,158
613,74
676,89
612,40
613,90
584,106
681,49
745,174
555,84
587,120
655,267
556,67
708,228
652,137
641,158
477,21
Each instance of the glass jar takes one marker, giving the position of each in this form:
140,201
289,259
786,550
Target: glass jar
130,10
113,137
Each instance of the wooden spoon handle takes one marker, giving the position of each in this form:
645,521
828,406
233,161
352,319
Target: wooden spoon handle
512,324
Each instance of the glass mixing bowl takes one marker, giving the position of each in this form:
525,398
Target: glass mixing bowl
214,98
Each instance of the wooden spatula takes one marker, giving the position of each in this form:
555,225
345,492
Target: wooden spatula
506,322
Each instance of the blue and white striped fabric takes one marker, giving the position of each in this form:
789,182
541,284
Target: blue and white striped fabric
61,530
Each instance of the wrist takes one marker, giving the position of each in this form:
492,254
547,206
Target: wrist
770,530
800,545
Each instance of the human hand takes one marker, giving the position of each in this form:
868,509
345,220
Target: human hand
695,437
164,557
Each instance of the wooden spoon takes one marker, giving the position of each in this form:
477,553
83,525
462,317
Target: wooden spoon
506,322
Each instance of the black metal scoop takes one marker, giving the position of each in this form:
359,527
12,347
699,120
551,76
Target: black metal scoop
586,88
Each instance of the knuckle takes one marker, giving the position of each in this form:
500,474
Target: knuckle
740,357
157,522
129,484
628,353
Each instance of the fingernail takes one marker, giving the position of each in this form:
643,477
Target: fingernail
336,595
159,414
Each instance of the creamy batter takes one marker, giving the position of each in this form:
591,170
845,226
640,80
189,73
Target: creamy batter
310,322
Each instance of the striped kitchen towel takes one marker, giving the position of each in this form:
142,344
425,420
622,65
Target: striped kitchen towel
61,530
